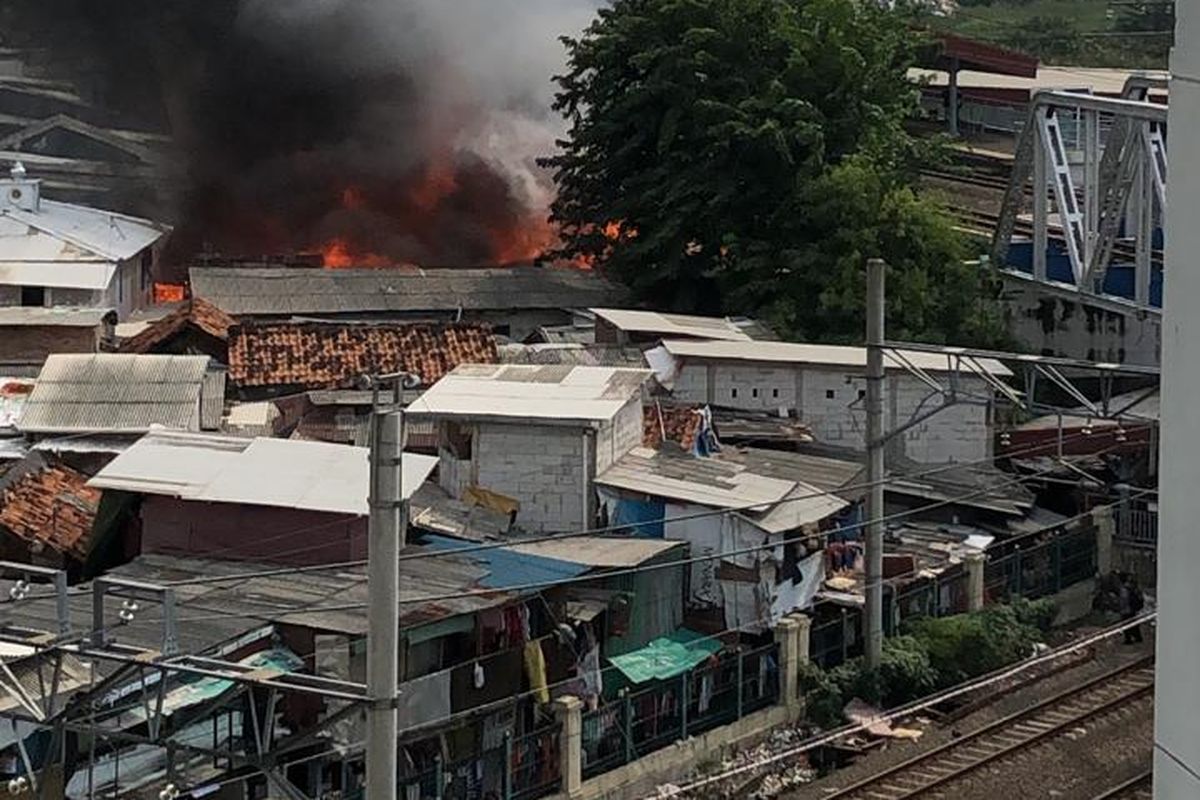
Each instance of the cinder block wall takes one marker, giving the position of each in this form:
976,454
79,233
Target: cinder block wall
831,402
541,466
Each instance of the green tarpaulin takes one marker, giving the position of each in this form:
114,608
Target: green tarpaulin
667,656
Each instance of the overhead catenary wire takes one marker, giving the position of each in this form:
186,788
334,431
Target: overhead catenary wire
615,529
554,582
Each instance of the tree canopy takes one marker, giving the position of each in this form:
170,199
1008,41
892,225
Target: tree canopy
748,156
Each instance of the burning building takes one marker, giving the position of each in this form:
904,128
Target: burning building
369,132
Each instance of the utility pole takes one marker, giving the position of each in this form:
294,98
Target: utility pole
385,537
873,620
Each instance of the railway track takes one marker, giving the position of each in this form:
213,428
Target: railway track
931,773
1136,788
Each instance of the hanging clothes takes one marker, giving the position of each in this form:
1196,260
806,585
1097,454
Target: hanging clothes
706,692
593,679
535,670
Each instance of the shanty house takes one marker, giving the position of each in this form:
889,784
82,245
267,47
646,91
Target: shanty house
116,393
514,301
825,388
202,494
534,436
59,254
754,537
28,335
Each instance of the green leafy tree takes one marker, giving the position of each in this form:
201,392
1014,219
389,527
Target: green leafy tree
749,156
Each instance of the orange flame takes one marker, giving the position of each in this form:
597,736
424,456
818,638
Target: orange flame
169,292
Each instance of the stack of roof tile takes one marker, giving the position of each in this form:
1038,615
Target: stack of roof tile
325,356
196,313
680,424
53,506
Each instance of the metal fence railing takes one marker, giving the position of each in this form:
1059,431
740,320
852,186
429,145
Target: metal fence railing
712,695
1137,527
1043,568
524,768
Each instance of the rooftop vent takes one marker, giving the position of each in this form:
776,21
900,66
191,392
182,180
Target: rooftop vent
19,191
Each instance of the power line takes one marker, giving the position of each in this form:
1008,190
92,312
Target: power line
524,540
555,582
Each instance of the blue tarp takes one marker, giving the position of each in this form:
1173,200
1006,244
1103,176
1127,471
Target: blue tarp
507,569
644,518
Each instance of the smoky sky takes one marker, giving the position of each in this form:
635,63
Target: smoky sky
298,121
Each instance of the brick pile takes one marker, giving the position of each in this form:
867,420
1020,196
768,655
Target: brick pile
330,356
53,506
682,425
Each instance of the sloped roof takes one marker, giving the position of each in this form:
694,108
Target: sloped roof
197,313
320,356
546,394
671,325
58,232
52,505
693,479
56,316
115,393
819,355
283,473
774,504
283,291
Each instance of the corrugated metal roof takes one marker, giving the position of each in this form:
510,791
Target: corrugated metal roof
58,316
212,400
825,473
550,393
284,291
666,325
95,275
215,613
110,392
804,505
82,233
507,568
599,551
286,473
818,355
705,481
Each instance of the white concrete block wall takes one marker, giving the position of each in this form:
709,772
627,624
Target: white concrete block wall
831,402
691,384
618,437
755,387
539,466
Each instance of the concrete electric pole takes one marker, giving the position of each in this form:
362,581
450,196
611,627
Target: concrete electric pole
873,615
386,534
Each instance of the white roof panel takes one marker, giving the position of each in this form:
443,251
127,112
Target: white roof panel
692,479
668,325
820,355
550,393
81,232
94,275
284,473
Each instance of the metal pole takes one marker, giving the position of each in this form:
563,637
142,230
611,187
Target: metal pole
952,111
385,537
873,613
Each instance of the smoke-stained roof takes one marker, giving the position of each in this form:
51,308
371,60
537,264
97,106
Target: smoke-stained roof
285,291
